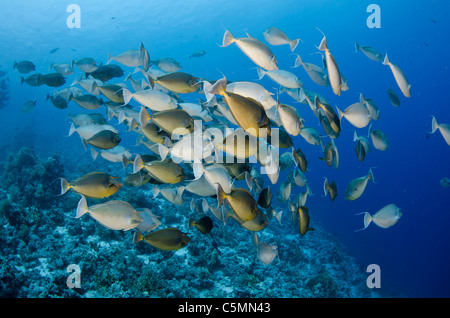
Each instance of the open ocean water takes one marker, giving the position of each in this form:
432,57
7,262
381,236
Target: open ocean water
40,237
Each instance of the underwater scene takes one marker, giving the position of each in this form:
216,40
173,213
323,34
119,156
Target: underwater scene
224,149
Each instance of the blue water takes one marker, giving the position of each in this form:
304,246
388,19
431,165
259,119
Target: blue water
413,254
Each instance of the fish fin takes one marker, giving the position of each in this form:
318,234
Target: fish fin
370,175
325,185
367,220
221,195
293,44
65,186
163,151
137,237
94,153
82,207
127,95
228,38
219,87
198,170
138,164
261,72
144,117
434,125
386,60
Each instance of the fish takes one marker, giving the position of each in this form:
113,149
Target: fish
28,106
256,50
332,122
87,101
106,72
362,146
384,218
445,182
379,139
149,220
297,177
198,53
190,148
370,52
168,239
131,58
299,159
311,135
24,67
97,185
167,64
357,114
32,80
54,50
290,119
284,191
248,113
331,154
86,64
317,74
153,133
165,171
201,187
334,75
114,215
105,139
239,144
173,121
90,130
303,215
64,69
137,179
57,101
284,78
275,36
356,187
400,77
371,106
53,79
113,92
115,154
254,91
393,97
178,82
145,56
330,189
173,195
258,223
443,128
241,202
204,224
265,198
155,100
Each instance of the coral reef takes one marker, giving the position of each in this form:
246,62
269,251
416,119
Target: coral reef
41,238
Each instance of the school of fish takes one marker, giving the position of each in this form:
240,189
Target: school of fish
220,147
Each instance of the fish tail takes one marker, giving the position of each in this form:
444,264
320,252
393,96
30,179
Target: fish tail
150,80
293,44
125,161
357,47
137,237
325,187
144,117
127,95
22,80
340,113
370,175
386,60
221,195
110,58
82,207
163,151
65,186
191,222
94,153
367,220
138,164
298,61
228,38
207,86
14,65
261,72
434,125
219,87
323,43
51,66
355,136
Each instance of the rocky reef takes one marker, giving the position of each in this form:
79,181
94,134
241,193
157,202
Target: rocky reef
40,238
